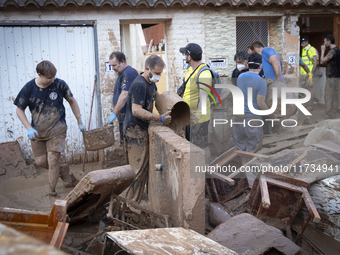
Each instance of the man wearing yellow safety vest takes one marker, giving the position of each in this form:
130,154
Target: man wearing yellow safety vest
310,58
197,132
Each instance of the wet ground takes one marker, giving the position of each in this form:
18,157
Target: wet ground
32,193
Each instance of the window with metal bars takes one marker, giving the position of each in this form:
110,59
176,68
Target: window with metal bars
315,24
248,32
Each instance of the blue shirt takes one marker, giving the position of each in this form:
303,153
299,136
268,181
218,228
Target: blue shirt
123,83
266,66
259,86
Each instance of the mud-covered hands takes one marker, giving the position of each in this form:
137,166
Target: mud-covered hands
111,118
32,133
81,126
165,118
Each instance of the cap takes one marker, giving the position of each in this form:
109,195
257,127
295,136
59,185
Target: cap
193,50
305,38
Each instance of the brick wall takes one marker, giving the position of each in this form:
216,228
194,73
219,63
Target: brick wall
220,24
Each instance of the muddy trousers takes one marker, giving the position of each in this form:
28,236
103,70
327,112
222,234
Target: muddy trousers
137,145
304,84
331,95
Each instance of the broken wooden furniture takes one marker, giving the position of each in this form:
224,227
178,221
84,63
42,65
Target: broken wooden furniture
162,241
228,182
15,242
95,188
276,199
48,227
124,214
127,214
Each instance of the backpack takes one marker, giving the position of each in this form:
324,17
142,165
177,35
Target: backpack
215,80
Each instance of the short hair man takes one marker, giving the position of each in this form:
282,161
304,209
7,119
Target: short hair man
333,75
246,137
241,59
270,61
47,130
126,75
309,57
139,106
197,132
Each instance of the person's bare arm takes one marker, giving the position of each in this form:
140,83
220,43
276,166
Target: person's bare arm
22,117
261,102
139,112
305,67
315,64
323,59
121,102
75,108
274,61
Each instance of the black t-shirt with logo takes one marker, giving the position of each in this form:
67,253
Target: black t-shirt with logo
141,92
46,106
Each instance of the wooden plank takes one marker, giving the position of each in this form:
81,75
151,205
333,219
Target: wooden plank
305,223
211,188
297,160
58,213
28,226
259,156
310,205
285,185
336,33
59,234
264,192
279,147
319,240
232,175
277,138
224,178
17,215
225,157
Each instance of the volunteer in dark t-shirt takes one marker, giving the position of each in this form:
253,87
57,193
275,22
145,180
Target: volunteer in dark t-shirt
139,106
333,75
44,97
127,74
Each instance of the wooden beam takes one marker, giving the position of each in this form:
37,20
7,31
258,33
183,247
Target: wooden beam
232,175
284,138
310,205
297,160
211,188
264,192
336,32
224,178
259,156
305,224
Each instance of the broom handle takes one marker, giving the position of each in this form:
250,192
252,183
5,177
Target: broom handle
94,89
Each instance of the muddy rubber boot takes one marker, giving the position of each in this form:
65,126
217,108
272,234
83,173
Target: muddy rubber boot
65,175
